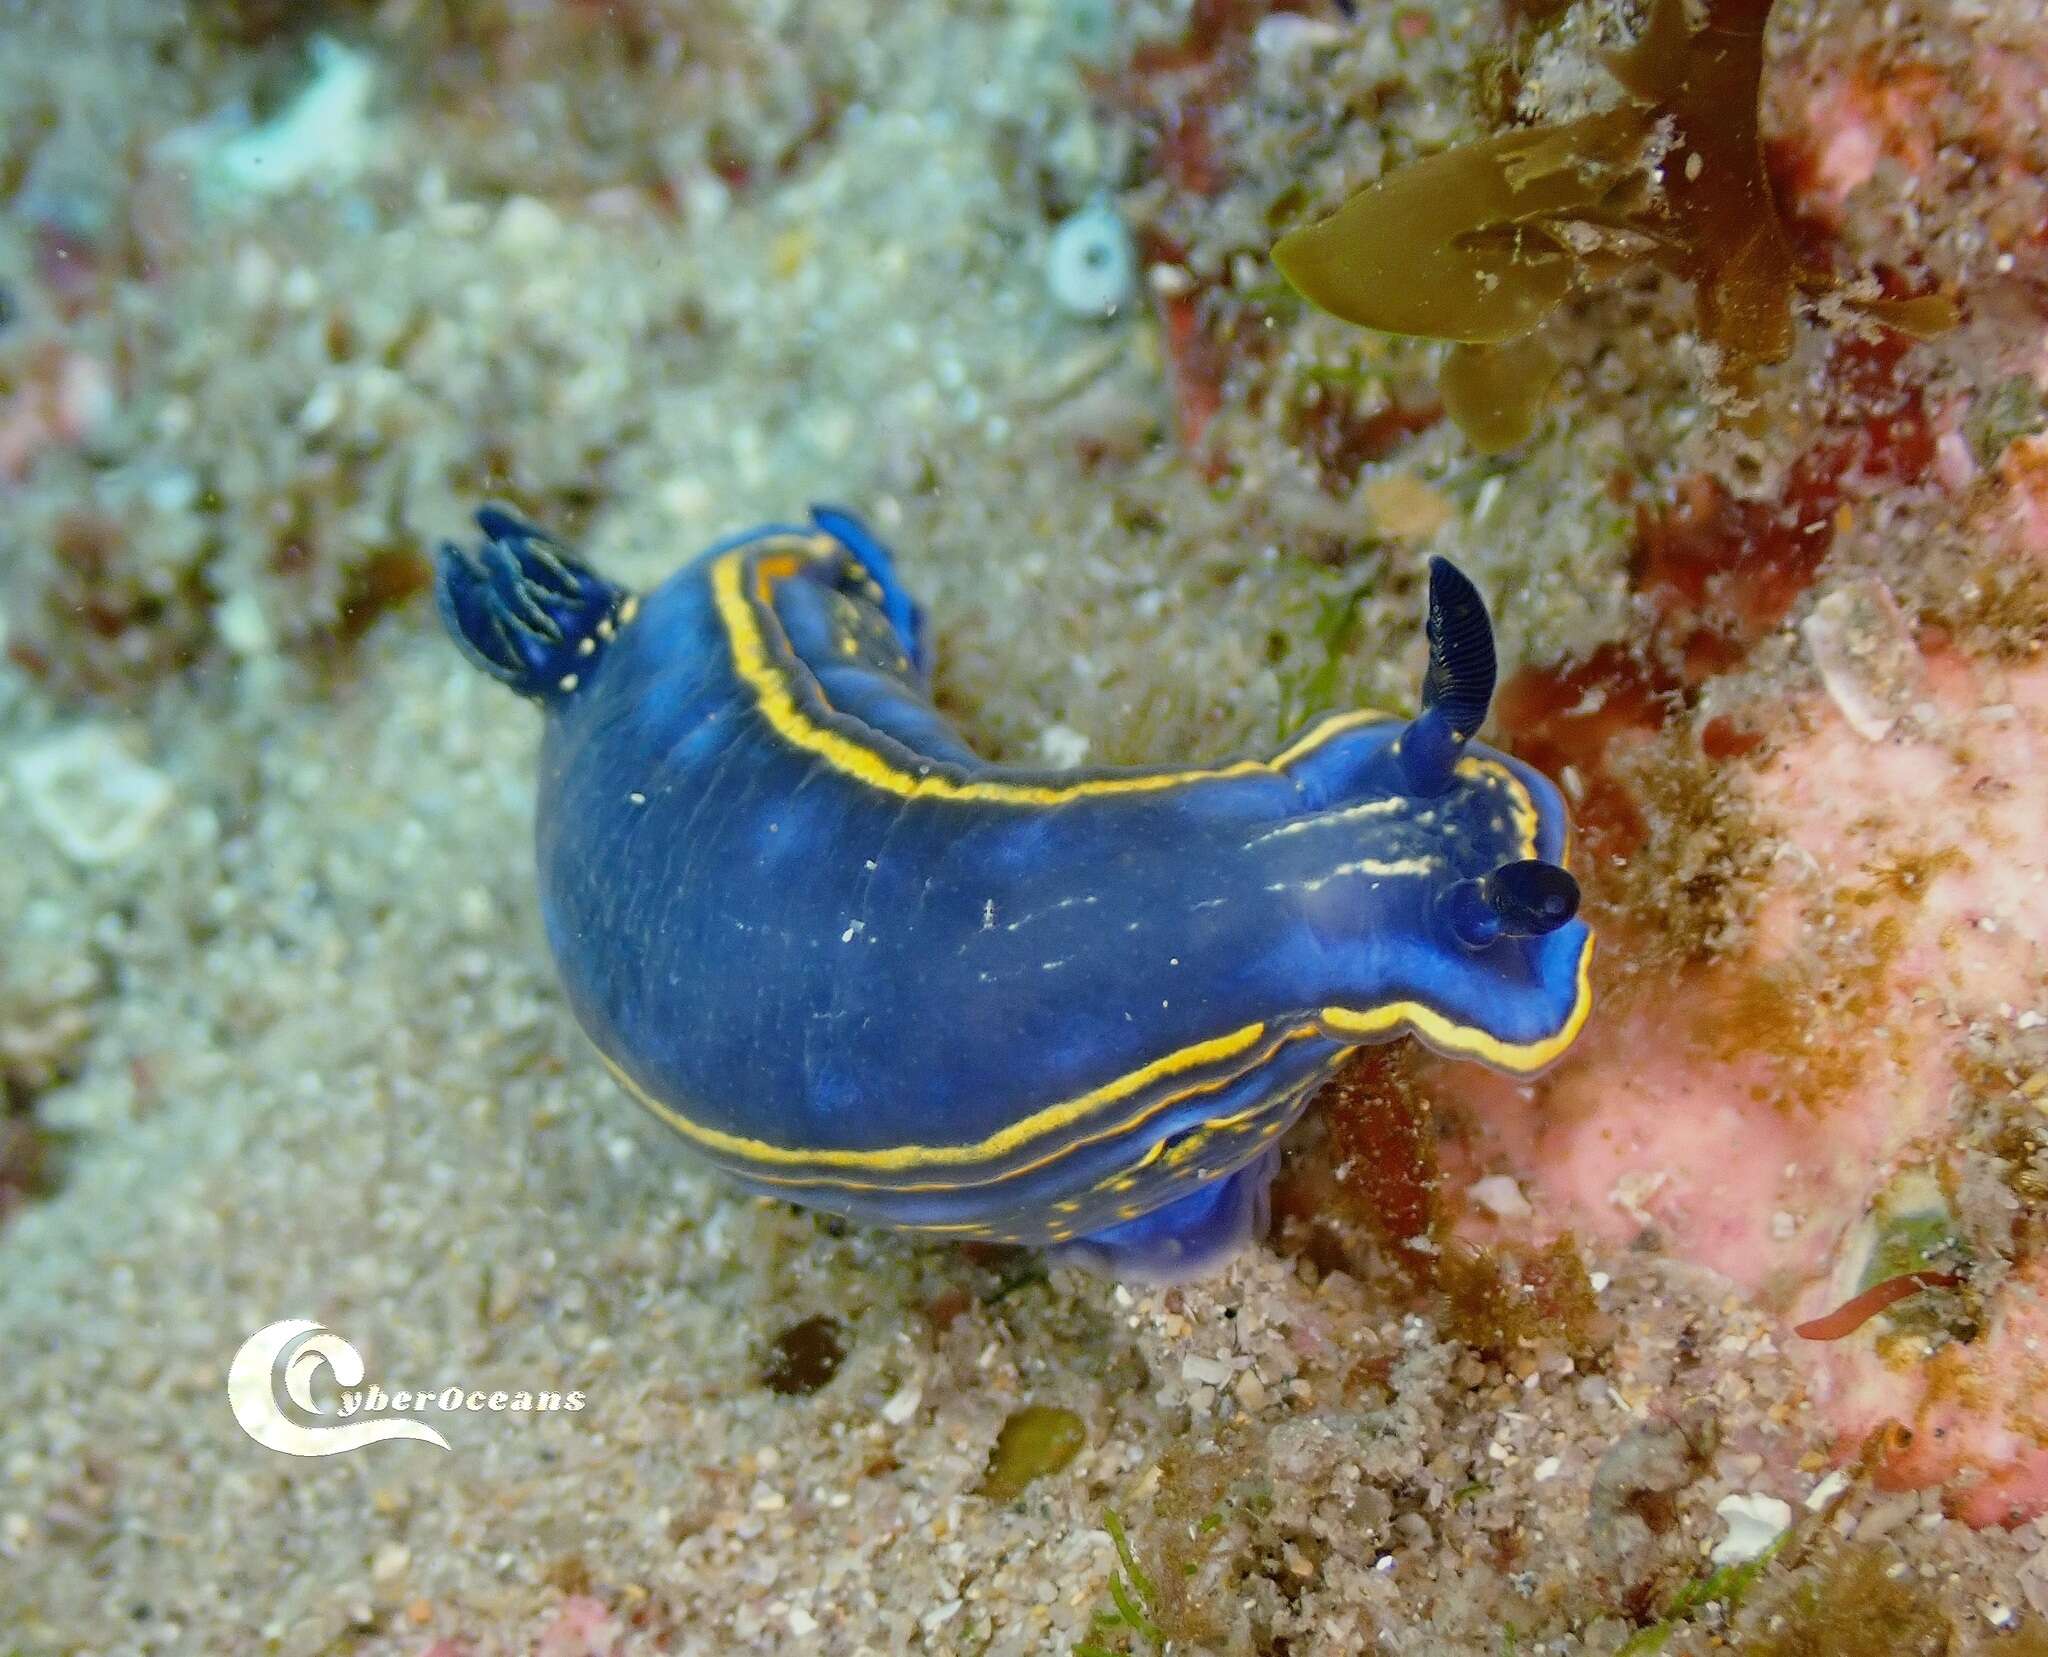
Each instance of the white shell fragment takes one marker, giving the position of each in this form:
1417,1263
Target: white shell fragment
323,136
242,625
1285,33
1827,1490
1754,1522
90,795
2033,1575
1863,648
903,1403
1091,266
1498,1194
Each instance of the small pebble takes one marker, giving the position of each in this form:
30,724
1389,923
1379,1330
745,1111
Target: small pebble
242,625
1286,33
1827,1490
1063,747
92,797
1035,1442
805,1356
526,224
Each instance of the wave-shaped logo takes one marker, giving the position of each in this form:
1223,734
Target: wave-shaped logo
275,1367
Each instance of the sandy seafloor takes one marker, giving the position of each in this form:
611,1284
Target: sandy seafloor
659,271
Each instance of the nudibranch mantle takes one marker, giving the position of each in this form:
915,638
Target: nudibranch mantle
859,967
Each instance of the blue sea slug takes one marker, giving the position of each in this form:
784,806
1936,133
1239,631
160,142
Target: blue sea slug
861,968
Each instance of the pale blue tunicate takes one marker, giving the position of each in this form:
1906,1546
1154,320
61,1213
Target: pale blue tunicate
1091,266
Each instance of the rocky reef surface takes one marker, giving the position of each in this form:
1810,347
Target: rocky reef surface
1727,1333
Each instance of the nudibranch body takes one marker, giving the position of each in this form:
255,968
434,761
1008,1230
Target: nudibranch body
858,967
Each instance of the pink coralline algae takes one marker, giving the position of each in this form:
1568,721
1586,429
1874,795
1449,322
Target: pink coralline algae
62,398
1835,1097
1885,1027
1872,114
584,1627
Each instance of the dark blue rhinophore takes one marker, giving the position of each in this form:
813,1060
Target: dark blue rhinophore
1517,900
1458,688
858,966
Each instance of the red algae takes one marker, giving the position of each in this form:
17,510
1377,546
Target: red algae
1918,115
96,624
1719,573
1170,92
1359,1193
1573,720
1722,571
1172,86
1497,1299
1853,1314
1830,1039
1343,441
1197,364
1383,1147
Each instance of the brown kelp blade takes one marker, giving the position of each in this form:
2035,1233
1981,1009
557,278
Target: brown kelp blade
1455,246
1923,316
1494,392
1716,223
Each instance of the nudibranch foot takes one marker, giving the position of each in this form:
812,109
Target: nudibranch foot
1188,1238
860,967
